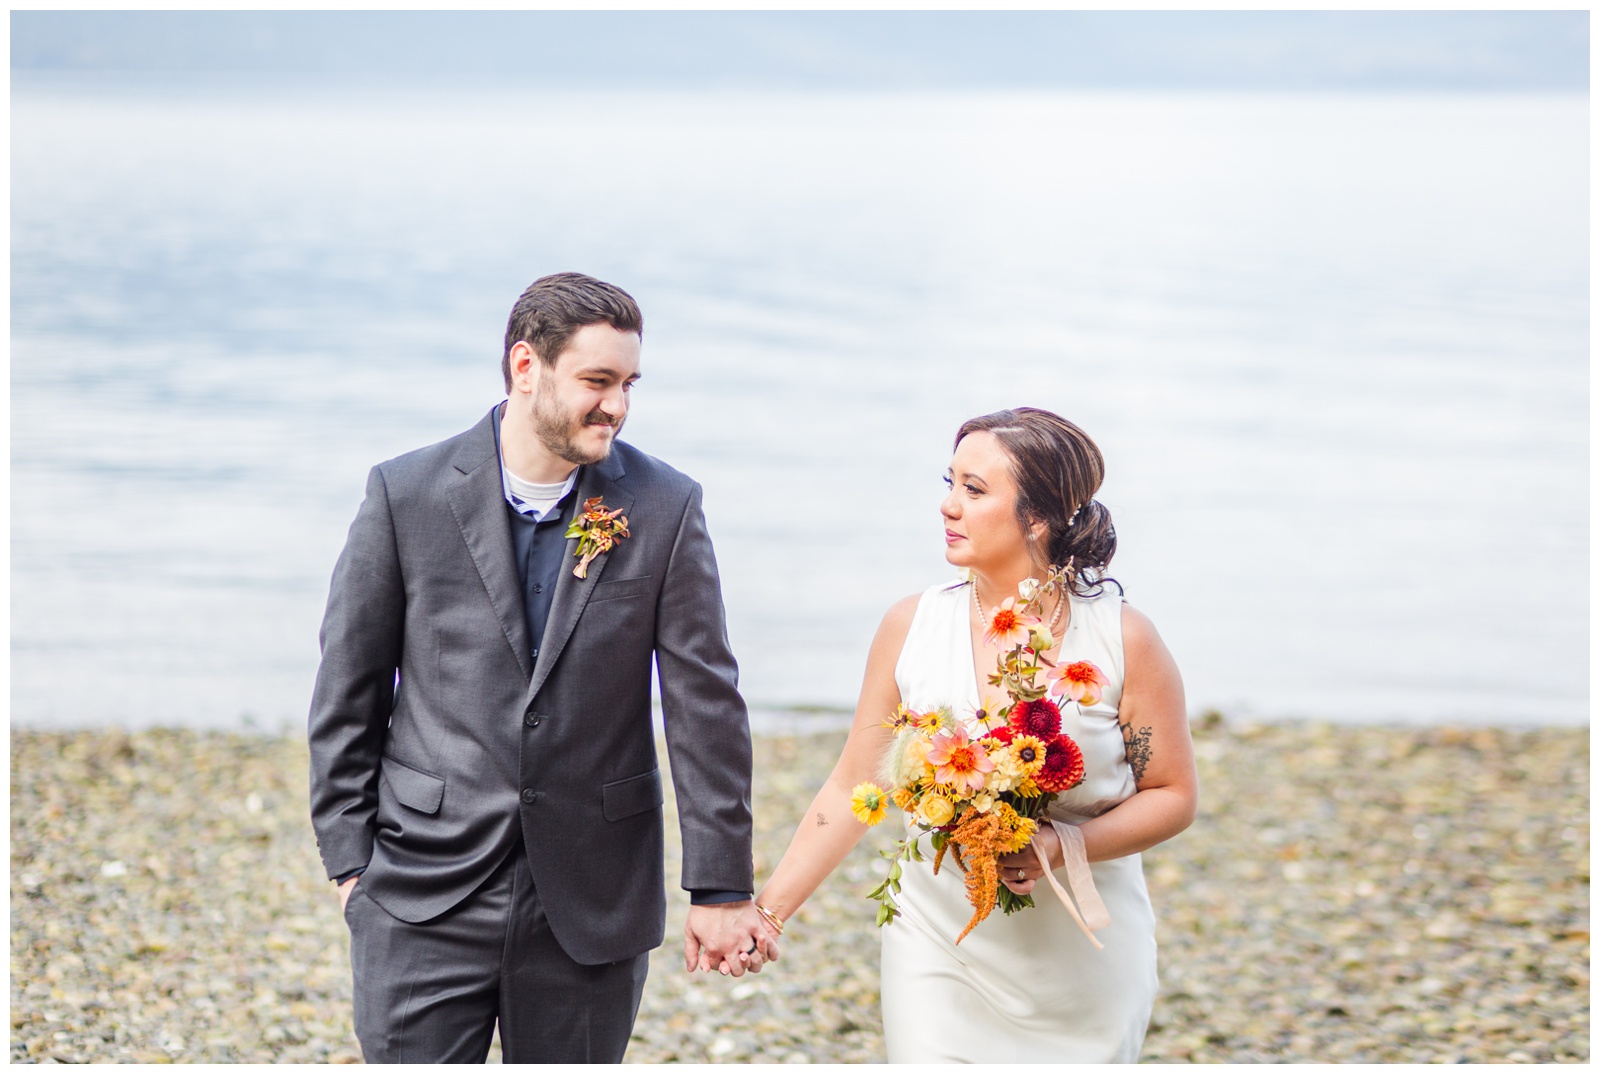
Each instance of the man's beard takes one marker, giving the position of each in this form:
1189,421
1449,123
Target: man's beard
558,431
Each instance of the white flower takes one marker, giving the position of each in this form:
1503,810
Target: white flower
983,801
1028,588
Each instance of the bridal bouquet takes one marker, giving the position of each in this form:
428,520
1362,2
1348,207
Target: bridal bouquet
981,791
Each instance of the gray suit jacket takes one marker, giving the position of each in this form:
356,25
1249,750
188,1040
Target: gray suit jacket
434,744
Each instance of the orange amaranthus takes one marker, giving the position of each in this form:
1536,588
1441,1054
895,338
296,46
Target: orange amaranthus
983,836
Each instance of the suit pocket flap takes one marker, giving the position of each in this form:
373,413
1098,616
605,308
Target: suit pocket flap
617,588
413,788
636,794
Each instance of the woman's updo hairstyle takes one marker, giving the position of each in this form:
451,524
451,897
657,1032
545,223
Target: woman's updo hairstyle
1058,469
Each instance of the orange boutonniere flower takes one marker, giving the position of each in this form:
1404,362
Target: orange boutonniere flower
597,530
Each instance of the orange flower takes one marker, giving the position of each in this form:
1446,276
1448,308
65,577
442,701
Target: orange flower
958,762
1081,682
981,835
1008,626
598,530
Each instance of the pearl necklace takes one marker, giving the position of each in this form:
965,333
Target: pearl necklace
984,618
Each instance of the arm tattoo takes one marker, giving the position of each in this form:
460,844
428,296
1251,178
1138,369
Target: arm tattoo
822,821
1136,747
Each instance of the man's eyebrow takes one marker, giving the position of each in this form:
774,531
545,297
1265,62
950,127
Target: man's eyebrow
605,371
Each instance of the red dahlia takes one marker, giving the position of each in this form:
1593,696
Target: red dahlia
1063,766
1040,718
1001,734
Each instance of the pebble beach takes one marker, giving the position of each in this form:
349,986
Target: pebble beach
1347,894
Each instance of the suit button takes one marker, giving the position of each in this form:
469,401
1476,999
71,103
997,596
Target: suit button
528,795
531,720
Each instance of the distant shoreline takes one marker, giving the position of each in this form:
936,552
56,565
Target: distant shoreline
772,721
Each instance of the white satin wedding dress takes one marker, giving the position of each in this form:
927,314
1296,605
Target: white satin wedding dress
1031,987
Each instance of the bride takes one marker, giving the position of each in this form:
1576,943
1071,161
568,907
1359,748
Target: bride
1030,987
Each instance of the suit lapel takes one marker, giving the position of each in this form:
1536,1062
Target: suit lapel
572,593
477,499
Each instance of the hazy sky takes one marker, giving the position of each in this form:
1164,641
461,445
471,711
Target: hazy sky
1519,50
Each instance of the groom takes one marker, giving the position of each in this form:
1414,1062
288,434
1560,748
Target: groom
484,782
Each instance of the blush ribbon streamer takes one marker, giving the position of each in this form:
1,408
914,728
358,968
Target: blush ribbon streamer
1095,915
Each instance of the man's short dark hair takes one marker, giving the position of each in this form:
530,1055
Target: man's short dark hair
554,307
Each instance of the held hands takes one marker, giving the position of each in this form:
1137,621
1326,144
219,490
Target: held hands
1020,871
730,937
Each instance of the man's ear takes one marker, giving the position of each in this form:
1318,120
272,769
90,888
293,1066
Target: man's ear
525,367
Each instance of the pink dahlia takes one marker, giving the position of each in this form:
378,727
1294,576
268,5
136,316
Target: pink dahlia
957,761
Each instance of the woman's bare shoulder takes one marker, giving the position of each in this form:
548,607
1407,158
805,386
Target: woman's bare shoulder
1141,642
889,640
1136,626
897,620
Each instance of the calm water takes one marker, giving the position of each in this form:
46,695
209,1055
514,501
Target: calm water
1334,348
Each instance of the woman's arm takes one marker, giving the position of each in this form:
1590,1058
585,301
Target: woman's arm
1155,726
829,831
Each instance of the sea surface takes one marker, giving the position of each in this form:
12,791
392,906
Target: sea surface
1335,349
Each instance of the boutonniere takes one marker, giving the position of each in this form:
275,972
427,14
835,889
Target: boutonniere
597,531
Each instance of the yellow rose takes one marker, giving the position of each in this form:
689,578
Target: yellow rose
935,811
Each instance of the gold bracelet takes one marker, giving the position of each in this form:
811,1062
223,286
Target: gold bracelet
770,918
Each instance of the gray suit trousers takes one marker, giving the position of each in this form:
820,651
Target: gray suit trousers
432,992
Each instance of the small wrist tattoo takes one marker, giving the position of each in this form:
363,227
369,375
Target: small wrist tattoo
822,821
